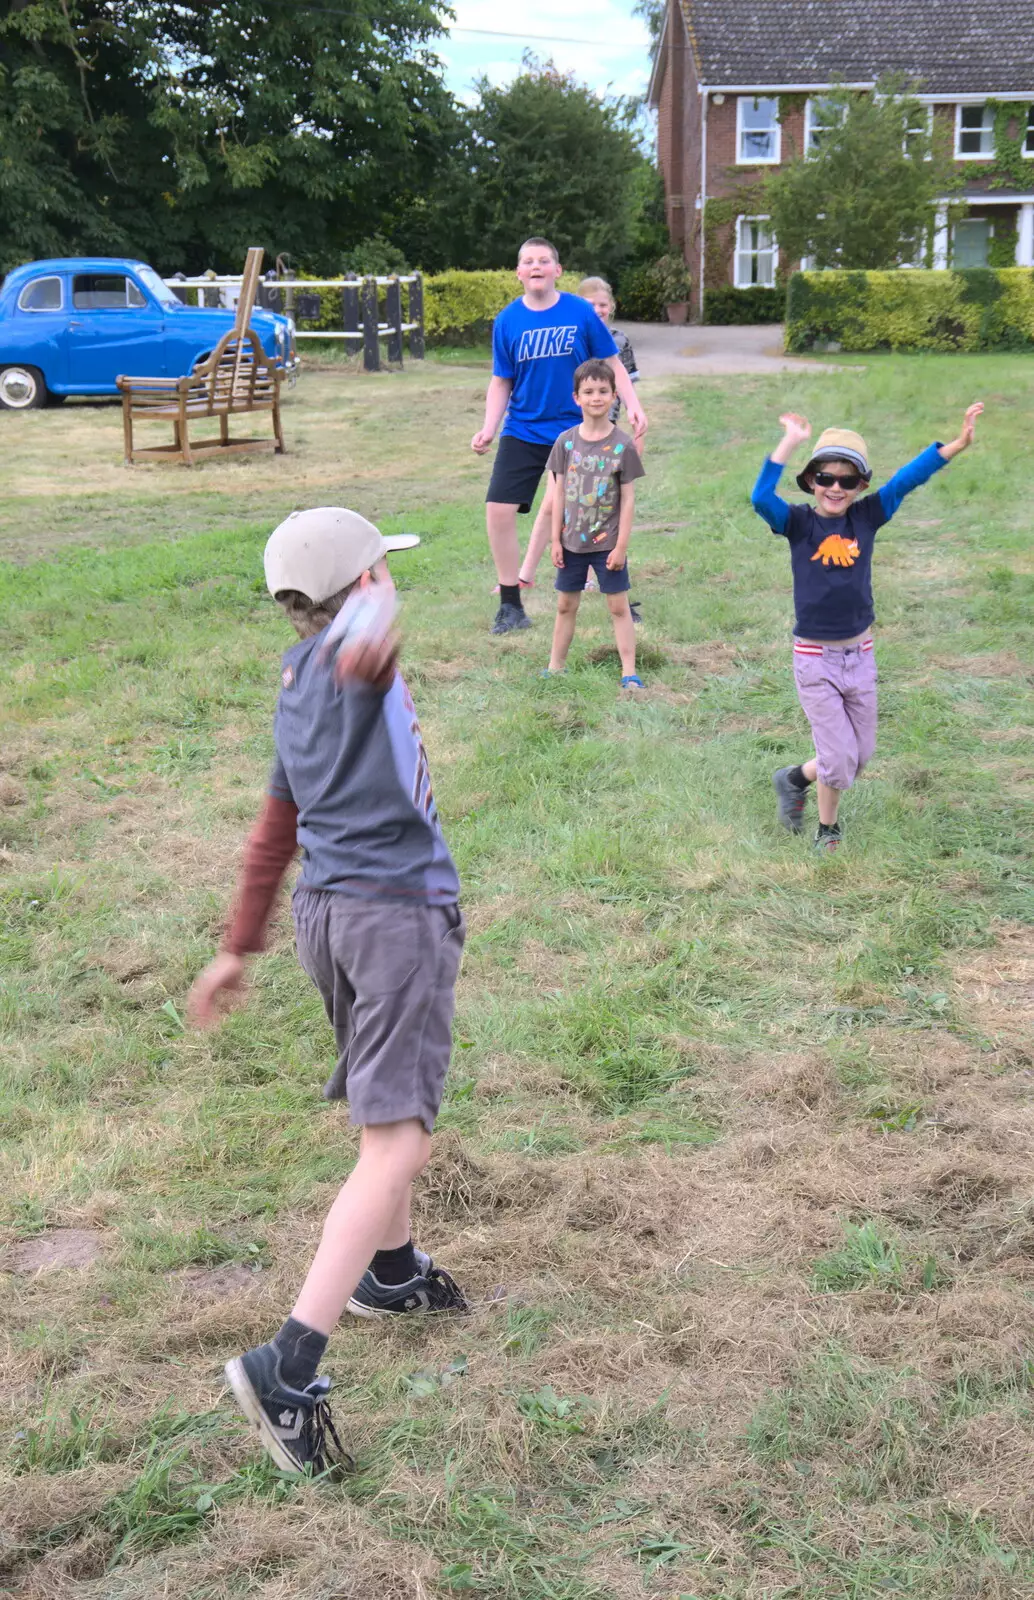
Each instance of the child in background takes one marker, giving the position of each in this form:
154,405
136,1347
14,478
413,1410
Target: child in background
593,469
831,549
601,297
380,933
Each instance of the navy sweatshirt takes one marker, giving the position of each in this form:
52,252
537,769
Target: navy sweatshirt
831,557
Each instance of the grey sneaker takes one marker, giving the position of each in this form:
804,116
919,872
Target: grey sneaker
828,841
433,1289
509,618
791,800
293,1425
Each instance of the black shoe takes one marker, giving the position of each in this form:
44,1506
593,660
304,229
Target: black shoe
293,1425
633,606
792,800
508,618
433,1289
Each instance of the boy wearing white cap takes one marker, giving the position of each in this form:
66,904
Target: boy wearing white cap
831,547
379,931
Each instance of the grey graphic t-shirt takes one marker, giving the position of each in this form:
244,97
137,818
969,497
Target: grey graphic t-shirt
591,473
353,762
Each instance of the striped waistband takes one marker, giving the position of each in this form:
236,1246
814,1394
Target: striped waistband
801,649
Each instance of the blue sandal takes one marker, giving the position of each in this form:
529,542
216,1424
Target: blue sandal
631,680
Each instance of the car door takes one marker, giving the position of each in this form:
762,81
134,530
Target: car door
113,327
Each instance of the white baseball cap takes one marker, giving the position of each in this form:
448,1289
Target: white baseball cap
320,551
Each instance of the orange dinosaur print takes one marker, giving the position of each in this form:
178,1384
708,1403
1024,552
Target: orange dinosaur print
841,552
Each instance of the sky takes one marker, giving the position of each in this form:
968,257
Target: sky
611,53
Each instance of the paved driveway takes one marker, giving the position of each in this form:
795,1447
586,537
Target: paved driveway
662,348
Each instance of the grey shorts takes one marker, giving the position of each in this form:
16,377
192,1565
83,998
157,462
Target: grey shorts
387,972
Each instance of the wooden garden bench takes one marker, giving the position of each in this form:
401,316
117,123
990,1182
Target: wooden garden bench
237,377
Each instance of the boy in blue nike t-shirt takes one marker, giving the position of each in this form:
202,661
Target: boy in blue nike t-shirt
538,343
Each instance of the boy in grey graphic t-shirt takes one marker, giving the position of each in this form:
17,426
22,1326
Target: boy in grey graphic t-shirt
380,933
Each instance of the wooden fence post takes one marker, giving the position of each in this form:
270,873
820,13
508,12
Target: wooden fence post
350,313
371,344
393,317
416,314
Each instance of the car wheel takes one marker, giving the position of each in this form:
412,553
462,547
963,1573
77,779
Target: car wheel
22,389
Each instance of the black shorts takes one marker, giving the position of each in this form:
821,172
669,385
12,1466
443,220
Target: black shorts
519,466
572,576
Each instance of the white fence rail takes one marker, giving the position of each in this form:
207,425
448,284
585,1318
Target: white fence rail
360,308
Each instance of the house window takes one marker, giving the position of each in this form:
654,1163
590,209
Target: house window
820,118
757,131
43,295
1028,143
756,254
974,132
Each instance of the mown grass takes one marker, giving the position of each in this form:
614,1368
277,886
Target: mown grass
735,1154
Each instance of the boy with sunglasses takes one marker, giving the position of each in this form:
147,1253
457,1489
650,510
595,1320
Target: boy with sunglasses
831,548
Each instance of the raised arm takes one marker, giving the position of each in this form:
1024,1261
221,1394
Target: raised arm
931,460
769,505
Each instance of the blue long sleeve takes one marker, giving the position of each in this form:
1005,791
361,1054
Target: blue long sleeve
909,477
769,505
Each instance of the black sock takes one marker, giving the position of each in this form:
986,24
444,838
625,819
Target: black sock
797,778
396,1266
828,827
510,595
301,1351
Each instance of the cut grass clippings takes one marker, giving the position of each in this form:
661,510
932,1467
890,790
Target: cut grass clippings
735,1156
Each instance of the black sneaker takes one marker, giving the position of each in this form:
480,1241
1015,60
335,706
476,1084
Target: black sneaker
828,839
633,606
509,618
792,800
433,1289
293,1425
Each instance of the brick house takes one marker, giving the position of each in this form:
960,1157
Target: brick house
738,87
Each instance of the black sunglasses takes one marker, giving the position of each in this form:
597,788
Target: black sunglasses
846,480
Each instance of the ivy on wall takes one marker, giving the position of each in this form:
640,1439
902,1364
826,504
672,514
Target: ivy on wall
1010,168
719,215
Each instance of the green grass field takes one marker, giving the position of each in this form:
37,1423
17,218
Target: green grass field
736,1155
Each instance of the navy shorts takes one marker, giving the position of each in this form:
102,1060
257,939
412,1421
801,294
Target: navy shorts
519,465
571,577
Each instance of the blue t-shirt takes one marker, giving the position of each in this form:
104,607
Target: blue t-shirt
353,762
539,352
831,557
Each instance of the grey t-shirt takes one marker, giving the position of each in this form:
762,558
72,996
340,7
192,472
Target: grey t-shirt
353,762
591,472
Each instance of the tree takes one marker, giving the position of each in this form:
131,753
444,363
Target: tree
78,162
550,157
864,198
296,125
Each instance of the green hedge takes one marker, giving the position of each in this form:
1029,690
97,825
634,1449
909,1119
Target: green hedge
460,307
729,305
975,308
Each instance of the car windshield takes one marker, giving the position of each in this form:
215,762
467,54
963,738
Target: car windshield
160,290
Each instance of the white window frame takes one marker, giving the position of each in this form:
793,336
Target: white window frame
38,311
1029,136
757,161
927,130
810,129
973,155
753,217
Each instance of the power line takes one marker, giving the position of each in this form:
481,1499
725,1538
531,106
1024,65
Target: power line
499,33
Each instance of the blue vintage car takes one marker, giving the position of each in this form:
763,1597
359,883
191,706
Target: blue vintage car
73,327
